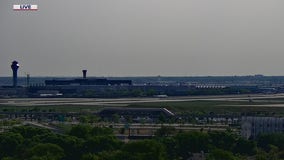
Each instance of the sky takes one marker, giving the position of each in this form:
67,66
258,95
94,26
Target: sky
143,37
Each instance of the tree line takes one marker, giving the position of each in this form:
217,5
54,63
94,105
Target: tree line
83,142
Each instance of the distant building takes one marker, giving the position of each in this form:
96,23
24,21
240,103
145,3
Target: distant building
136,113
87,81
10,91
253,126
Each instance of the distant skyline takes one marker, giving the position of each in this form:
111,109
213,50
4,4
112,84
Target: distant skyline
143,37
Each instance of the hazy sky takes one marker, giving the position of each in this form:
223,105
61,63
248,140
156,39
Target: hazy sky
143,37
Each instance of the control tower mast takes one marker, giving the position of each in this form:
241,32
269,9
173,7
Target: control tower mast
15,66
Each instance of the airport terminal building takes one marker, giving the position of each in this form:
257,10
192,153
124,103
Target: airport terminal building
251,127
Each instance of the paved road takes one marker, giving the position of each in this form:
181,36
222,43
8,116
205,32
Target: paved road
149,128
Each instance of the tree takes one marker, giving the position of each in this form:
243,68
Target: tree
261,155
273,153
89,156
88,118
170,146
151,92
9,143
101,131
265,140
191,142
73,146
29,132
162,118
219,154
8,158
47,151
80,131
115,118
101,143
222,140
245,147
144,150
83,119
165,131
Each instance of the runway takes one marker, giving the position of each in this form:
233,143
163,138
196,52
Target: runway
126,101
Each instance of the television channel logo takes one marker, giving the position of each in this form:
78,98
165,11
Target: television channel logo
25,7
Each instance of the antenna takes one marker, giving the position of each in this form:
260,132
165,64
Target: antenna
27,79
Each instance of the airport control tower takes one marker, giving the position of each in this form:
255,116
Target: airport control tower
15,66
84,73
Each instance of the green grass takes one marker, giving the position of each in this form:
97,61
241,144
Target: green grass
53,108
196,107
220,107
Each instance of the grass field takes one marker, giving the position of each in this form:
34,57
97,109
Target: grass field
53,108
260,107
218,107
